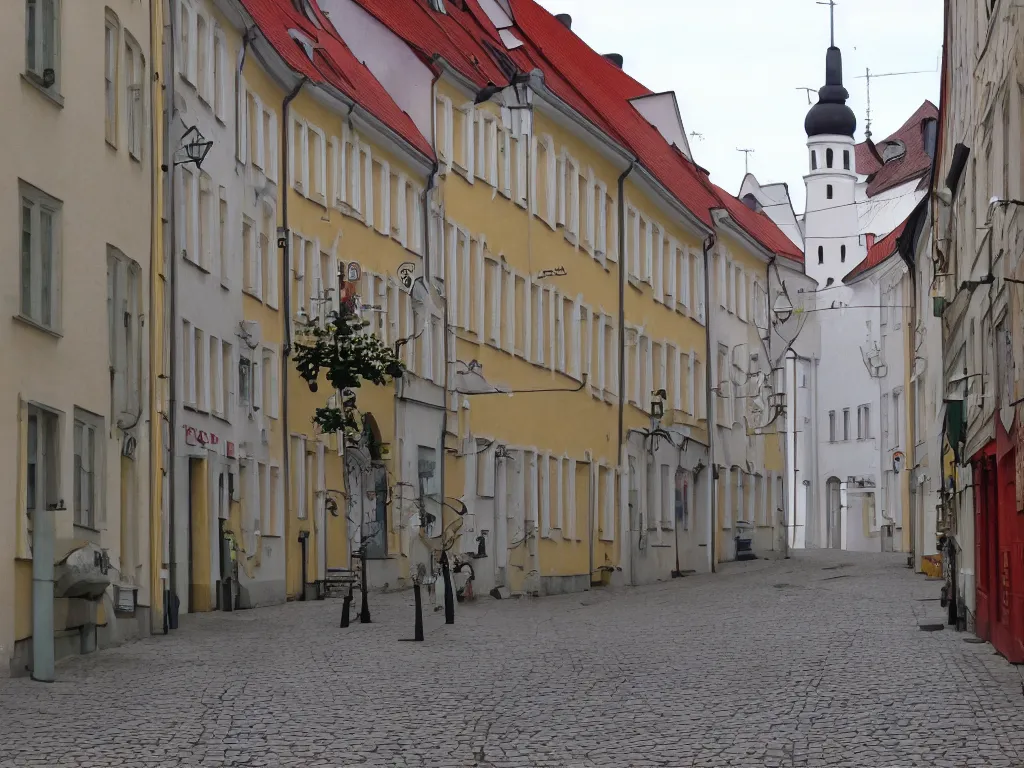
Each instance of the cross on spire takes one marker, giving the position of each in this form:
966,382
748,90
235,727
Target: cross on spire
831,19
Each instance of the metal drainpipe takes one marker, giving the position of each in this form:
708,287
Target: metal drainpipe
619,458
709,243
287,302
42,594
171,78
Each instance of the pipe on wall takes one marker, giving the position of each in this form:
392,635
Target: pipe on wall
709,243
171,610
286,463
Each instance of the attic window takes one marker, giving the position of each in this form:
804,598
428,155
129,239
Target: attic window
437,5
307,45
893,150
303,7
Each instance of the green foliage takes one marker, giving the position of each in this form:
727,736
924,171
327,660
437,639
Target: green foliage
348,355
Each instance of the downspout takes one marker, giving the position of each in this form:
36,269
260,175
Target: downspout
156,442
622,359
709,243
622,303
287,302
170,73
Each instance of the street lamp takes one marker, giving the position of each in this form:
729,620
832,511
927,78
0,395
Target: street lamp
783,308
196,147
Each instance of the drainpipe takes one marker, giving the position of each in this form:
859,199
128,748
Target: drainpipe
709,243
287,303
620,458
156,441
171,78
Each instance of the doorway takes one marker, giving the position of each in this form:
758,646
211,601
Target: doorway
834,514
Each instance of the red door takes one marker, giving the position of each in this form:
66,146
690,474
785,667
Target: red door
1008,628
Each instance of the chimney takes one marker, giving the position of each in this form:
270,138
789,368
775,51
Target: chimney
869,240
566,20
614,58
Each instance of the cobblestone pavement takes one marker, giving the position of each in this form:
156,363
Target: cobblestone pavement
815,661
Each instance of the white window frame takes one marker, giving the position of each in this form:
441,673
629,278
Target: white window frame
111,67
36,263
42,458
38,59
87,464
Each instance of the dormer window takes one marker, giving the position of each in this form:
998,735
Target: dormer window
307,45
821,254
828,157
893,150
438,5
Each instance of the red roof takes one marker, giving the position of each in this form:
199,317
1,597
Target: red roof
333,64
760,227
877,253
913,164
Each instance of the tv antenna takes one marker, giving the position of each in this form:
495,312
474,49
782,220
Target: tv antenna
831,19
696,135
746,159
809,92
868,75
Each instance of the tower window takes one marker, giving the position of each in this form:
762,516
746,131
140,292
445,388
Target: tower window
814,160
821,254
828,191
828,157
846,159
842,253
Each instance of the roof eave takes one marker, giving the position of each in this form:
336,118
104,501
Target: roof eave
722,217
859,277
616,152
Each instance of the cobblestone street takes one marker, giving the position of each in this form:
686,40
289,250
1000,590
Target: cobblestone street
816,661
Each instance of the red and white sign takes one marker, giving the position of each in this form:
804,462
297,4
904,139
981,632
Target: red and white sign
201,437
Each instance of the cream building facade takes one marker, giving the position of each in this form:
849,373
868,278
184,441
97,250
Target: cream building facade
78,196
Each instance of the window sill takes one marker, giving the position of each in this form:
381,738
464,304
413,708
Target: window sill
49,93
38,326
135,157
634,282
88,533
110,144
251,293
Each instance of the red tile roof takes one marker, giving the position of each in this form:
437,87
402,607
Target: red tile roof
466,39
760,227
913,164
333,64
877,253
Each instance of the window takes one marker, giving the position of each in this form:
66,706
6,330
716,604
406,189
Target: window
831,426
846,159
863,422
134,80
110,49
87,473
828,191
225,379
270,386
124,333
828,157
846,423
821,254
40,257
244,381
268,257
42,42
250,257
42,458
223,237
202,78
842,253
896,417
814,160
220,68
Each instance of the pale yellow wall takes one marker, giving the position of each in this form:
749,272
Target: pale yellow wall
58,146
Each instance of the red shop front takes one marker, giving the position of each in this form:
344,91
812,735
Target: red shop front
999,544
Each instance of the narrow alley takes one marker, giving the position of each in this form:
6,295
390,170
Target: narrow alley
815,661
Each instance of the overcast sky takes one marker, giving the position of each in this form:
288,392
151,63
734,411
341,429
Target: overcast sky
735,66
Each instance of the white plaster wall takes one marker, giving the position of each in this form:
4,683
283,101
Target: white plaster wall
404,76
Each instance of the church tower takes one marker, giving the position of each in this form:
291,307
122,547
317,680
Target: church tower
831,229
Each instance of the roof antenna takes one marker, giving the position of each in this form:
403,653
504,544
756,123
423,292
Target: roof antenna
809,92
746,159
696,135
831,19
867,76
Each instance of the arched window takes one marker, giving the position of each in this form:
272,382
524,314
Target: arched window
828,157
821,254
828,191
846,159
814,160
842,253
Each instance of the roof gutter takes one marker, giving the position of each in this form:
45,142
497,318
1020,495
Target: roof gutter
723,218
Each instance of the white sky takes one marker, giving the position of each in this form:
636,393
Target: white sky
735,66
